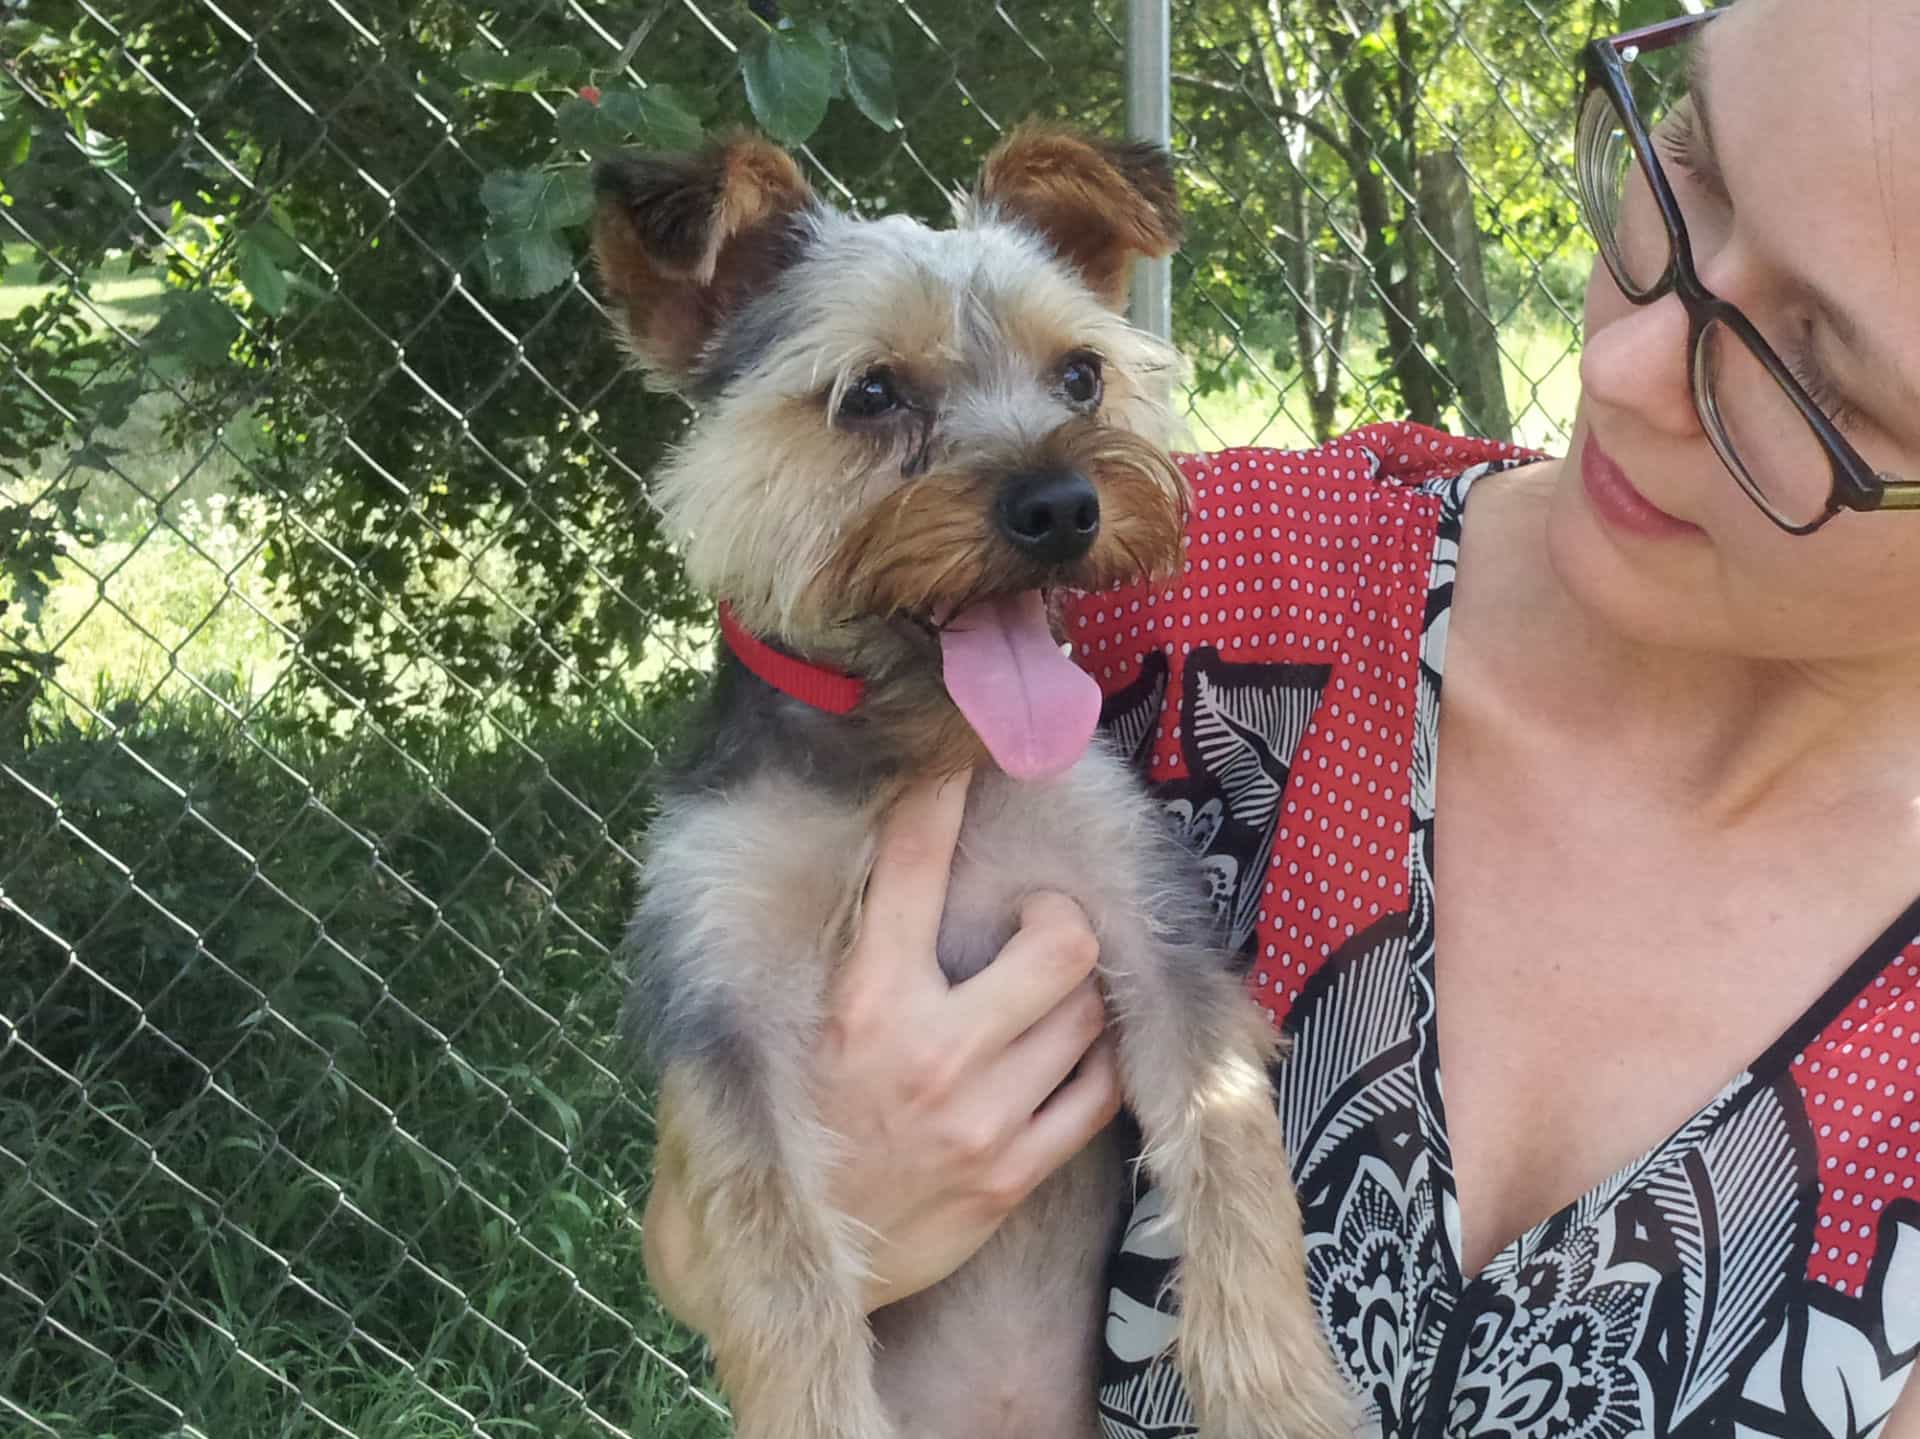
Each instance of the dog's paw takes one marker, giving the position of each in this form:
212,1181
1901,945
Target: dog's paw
1250,1347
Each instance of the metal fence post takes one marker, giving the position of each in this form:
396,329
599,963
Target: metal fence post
1150,117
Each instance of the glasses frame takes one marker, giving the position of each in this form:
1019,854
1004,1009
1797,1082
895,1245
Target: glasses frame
1855,485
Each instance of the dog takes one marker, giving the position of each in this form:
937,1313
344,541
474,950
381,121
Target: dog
908,442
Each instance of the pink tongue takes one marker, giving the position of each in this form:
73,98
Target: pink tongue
1033,708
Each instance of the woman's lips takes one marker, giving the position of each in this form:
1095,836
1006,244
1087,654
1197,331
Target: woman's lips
1616,501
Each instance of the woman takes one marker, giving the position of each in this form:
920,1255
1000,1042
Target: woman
1646,900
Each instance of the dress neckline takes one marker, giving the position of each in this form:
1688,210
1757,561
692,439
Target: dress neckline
1769,1065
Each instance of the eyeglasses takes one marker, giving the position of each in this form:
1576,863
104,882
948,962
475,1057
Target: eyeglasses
1787,455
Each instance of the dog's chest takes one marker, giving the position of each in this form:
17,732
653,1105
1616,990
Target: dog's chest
1085,835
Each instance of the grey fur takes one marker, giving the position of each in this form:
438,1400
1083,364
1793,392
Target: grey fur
757,865
745,1022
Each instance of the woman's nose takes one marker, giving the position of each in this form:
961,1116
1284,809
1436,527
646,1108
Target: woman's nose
1635,359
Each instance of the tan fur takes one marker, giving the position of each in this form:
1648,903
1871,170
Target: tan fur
921,721
847,539
1087,197
762,185
1248,1340
765,538
793,1356
678,282
928,549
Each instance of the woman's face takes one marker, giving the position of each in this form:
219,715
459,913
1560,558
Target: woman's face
1801,190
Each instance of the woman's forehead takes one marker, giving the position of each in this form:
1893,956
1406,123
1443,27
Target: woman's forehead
1834,82
1815,112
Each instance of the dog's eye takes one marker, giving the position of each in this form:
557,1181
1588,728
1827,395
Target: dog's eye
870,396
1080,381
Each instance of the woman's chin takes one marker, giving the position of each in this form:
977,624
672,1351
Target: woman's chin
1645,595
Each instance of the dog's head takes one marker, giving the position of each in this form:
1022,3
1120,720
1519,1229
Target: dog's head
908,437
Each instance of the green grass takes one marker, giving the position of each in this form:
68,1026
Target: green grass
155,606
131,298
309,1097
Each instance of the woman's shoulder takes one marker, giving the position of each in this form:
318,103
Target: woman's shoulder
1291,555
1390,458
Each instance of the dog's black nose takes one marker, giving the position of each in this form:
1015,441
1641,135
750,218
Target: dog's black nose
1050,515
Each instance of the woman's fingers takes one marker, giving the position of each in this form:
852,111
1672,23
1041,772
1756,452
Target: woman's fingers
1051,954
1062,1127
1041,1059
953,1101
907,890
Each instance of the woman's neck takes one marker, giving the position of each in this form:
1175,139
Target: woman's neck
1719,736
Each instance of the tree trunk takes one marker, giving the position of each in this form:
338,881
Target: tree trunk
1470,343
1319,312
1394,279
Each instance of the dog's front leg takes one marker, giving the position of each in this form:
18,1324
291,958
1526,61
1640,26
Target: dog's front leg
781,1274
1194,1052
739,926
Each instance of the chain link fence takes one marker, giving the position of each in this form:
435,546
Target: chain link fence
337,646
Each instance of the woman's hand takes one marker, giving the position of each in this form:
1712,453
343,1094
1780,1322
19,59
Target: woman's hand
949,1099
946,1094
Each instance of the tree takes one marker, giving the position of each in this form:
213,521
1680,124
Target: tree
1312,119
377,306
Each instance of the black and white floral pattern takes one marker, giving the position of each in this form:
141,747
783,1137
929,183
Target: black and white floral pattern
1670,1300
1242,723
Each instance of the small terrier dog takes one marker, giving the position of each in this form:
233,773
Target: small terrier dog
908,439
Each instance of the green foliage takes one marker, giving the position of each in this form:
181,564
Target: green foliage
1307,123
371,237
333,937
319,1105
869,82
525,253
789,75
53,356
323,257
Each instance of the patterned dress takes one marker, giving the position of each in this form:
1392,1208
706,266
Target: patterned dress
1757,1272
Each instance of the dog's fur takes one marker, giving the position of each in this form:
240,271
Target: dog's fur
847,542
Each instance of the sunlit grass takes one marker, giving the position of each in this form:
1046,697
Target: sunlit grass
179,603
130,298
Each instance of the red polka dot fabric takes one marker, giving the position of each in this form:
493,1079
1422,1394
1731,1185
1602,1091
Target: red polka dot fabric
1319,557
1860,1078
1757,1272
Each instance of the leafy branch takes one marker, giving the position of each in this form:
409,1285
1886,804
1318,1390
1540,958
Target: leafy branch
791,72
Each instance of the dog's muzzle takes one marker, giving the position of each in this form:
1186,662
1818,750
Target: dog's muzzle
1052,516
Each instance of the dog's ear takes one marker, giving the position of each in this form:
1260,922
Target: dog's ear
1099,203
682,240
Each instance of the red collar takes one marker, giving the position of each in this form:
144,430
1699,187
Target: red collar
823,688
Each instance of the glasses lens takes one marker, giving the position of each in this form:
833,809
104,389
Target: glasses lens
1620,209
1769,445
1613,184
